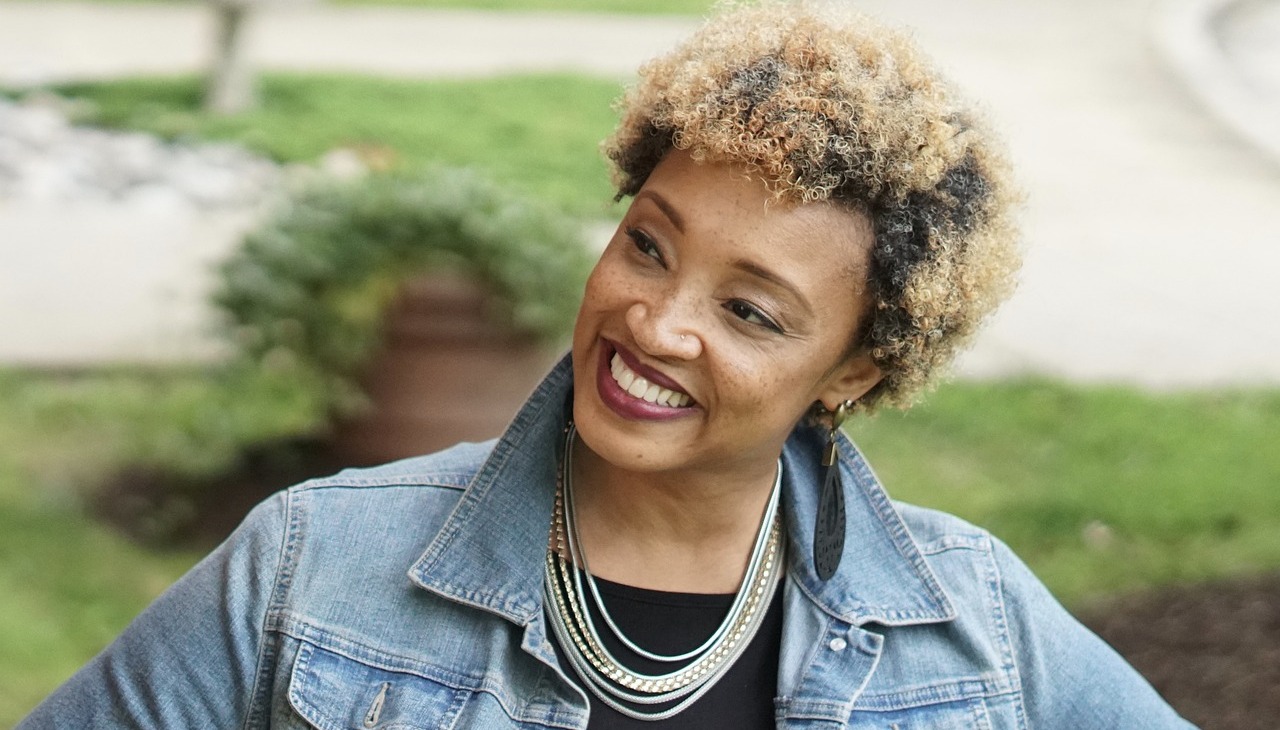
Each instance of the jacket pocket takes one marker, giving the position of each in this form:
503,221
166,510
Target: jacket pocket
335,692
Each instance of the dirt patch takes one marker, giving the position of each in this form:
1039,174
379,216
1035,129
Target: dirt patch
1212,650
165,509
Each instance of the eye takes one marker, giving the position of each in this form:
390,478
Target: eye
644,244
751,314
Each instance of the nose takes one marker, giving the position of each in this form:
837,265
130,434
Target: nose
665,329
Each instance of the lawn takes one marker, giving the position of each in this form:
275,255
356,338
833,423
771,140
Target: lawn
1100,489
67,583
537,132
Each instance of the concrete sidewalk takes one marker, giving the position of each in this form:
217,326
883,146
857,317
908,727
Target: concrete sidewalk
51,40
1151,226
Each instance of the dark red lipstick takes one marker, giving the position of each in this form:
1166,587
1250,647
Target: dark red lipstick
627,405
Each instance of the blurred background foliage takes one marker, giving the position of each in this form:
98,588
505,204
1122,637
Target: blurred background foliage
307,292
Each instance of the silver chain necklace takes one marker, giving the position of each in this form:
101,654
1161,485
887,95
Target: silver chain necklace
606,677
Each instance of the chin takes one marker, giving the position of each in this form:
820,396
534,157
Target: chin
628,452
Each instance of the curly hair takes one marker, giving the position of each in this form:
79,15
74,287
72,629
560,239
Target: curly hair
827,105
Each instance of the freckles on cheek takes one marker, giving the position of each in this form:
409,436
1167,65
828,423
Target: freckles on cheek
603,291
761,392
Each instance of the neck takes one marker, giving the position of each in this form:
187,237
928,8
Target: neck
689,532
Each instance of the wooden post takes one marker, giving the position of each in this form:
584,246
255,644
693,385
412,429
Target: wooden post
232,84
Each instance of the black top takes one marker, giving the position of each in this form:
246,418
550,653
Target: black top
672,623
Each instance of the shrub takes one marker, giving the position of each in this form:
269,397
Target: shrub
306,293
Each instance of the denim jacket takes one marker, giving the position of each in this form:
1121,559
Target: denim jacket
410,596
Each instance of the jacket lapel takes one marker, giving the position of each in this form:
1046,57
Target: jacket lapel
828,651
490,552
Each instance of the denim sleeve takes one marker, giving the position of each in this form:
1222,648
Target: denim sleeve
190,659
1070,677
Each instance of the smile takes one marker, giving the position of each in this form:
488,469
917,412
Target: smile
638,387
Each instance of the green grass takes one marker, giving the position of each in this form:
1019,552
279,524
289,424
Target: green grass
1099,489
540,133
68,584
1184,483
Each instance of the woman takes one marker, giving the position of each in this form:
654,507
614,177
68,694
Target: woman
673,532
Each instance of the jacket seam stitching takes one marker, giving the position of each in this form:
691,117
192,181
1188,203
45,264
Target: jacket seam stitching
881,701
998,590
433,480
267,648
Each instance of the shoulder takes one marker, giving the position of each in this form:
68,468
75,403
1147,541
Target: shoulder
953,547
976,569
433,481
934,530
1065,676
380,518
452,468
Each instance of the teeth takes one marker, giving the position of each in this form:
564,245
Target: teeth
639,387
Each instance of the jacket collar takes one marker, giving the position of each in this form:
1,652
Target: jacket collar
883,577
491,549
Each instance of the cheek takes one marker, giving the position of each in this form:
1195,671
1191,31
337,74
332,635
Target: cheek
602,297
775,389
594,294
602,285
755,388
612,288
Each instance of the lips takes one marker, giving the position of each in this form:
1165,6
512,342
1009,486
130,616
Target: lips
638,392
637,386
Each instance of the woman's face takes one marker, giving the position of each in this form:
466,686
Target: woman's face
715,317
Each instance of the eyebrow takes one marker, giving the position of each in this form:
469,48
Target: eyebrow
676,219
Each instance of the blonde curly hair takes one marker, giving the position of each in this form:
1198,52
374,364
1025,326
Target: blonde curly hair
827,105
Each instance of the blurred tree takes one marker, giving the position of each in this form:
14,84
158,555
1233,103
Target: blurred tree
232,82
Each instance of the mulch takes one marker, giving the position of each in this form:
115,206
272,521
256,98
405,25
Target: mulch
1212,649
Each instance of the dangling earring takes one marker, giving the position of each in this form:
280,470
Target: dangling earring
828,530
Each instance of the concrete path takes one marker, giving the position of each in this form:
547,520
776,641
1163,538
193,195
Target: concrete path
50,40
1151,220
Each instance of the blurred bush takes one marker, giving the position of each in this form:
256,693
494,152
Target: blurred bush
306,294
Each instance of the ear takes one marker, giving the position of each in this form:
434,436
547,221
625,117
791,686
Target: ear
850,380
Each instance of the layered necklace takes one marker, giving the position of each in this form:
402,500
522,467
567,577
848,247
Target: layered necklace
699,668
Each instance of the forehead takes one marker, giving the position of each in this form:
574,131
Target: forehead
724,206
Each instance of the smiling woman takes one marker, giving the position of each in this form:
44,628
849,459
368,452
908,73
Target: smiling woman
673,532
742,306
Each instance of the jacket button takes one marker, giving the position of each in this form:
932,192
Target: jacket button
838,644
